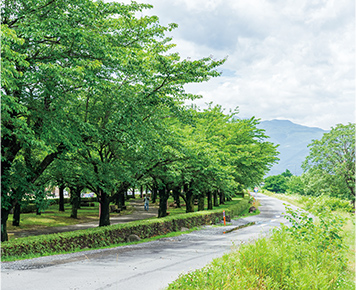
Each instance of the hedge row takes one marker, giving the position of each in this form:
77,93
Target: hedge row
115,234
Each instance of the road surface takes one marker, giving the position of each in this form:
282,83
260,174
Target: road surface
151,265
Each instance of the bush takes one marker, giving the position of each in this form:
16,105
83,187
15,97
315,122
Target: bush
56,200
317,204
112,235
28,208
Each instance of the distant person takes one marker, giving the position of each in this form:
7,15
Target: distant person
146,202
256,189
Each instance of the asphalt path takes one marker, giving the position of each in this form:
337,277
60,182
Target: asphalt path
151,265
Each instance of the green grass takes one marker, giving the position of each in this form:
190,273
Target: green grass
308,257
348,230
54,218
281,262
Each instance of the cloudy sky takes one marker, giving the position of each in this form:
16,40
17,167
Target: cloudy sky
286,59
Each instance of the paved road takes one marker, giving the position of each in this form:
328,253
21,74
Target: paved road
151,265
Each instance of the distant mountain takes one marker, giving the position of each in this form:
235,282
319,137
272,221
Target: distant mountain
293,140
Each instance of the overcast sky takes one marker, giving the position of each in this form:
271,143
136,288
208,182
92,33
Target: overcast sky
287,59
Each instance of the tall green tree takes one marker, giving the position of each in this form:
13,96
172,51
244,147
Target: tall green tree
222,155
331,161
77,74
276,183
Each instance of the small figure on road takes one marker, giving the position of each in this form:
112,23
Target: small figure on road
146,202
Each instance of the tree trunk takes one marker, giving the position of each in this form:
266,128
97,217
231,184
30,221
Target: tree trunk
201,200
163,197
210,200
222,197
105,209
16,215
120,199
154,193
61,198
133,192
4,217
189,197
75,200
176,193
141,191
215,196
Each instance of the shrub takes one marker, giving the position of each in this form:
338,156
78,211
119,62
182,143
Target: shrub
317,204
28,208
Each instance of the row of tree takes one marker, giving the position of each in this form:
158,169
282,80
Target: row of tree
329,169
93,99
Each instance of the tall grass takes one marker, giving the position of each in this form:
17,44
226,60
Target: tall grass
308,255
314,203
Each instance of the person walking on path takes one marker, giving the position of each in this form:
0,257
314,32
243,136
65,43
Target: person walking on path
146,202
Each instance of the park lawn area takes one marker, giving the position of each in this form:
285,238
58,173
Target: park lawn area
54,218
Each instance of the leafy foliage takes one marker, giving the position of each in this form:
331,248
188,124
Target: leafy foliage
330,165
93,98
277,183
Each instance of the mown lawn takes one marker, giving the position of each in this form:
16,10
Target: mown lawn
52,217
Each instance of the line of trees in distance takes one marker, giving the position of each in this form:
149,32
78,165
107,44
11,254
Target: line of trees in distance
329,169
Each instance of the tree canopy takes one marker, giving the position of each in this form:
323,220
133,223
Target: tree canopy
331,162
93,87
278,183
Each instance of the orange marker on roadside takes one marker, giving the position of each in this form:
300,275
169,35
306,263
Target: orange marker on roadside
224,218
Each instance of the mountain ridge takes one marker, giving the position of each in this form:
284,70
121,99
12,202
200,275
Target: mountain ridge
293,140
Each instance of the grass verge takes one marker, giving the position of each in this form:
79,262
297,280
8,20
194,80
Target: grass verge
309,255
339,207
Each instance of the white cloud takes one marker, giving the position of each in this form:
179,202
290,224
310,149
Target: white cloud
287,59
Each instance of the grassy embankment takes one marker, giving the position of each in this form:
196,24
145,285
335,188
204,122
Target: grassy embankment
309,255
